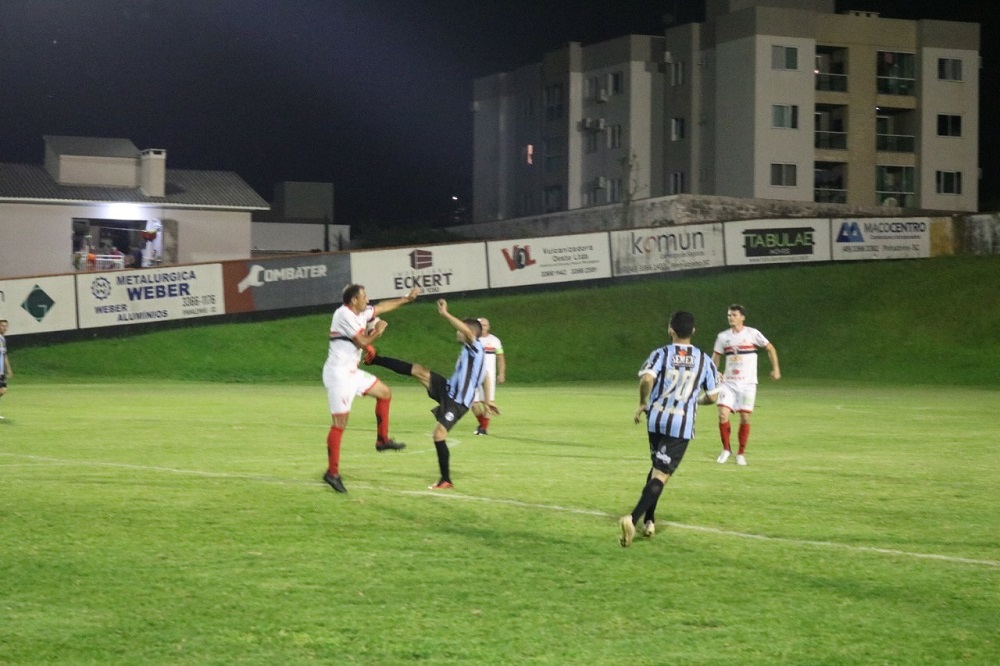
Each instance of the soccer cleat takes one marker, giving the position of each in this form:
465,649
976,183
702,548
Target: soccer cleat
481,431
724,456
628,531
370,354
741,460
389,445
335,482
441,485
648,528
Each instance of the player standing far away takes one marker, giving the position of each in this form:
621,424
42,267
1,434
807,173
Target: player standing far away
349,338
669,384
5,370
739,344
454,396
496,373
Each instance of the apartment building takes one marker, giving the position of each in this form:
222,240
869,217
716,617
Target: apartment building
767,99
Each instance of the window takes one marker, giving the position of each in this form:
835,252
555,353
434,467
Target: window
616,83
529,154
949,125
591,142
949,69
949,182
553,96
677,73
676,129
615,136
591,87
783,175
895,186
552,198
784,57
785,115
677,182
896,73
553,154
614,190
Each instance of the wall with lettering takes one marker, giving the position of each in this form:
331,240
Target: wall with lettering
777,241
533,261
38,305
436,269
667,249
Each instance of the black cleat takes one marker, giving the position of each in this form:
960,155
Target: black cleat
389,445
481,431
335,482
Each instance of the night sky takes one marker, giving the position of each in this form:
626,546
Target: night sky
372,95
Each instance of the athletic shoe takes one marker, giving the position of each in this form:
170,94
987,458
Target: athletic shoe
479,431
389,445
628,531
724,456
741,460
370,354
441,485
648,528
335,482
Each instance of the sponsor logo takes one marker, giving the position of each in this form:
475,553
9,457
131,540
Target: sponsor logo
100,288
850,232
449,416
665,244
778,242
38,303
421,259
429,282
518,257
258,276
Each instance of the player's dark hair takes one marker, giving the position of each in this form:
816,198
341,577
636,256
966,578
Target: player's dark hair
350,291
683,323
736,307
474,324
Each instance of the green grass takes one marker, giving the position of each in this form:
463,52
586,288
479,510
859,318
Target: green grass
185,523
161,500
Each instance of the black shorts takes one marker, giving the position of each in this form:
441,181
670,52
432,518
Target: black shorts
3,381
666,452
448,412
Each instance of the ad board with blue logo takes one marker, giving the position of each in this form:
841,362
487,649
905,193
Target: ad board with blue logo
881,238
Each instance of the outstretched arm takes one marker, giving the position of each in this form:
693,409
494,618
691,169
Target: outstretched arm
390,305
459,325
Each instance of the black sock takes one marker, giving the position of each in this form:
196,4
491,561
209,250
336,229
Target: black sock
394,364
651,510
650,494
443,456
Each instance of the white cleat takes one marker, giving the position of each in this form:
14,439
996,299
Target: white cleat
628,531
741,460
648,529
724,456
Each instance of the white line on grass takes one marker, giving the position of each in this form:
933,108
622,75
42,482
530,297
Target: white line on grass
453,496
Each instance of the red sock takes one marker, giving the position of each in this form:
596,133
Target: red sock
744,436
484,422
382,418
724,431
333,449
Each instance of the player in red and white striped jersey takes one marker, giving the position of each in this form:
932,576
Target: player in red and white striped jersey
739,344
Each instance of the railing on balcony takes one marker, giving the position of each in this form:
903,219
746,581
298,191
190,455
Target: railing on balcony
833,82
896,85
829,195
835,140
895,143
901,199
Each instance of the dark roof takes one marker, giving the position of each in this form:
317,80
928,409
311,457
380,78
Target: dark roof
23,183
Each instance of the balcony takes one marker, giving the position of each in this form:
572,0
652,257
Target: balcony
901,199
829,195
830,140
831,82
895,143
896,85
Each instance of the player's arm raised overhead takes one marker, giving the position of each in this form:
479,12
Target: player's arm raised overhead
467,333
388,306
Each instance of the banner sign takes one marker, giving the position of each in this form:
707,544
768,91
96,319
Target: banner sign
38,305
777,241
666,249
281,283
531,261
881,238
436,269
149,294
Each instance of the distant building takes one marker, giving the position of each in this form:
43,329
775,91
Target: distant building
767,99
300,220
102,196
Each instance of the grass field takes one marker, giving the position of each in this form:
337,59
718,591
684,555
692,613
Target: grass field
185,522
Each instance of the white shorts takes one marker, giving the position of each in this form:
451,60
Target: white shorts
343,384
481,394
738,397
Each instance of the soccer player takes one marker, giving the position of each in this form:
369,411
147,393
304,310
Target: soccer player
349,338
739,344
454,396
669,384
5,371
496,373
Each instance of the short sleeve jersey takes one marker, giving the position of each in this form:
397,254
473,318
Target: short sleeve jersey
3,354
492,346
679,372
345,325
470,368
740,350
